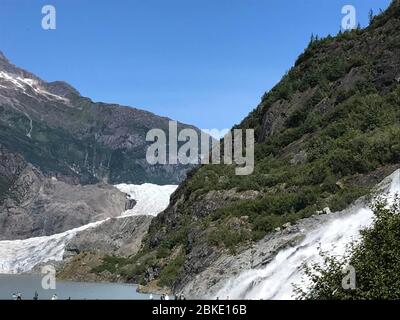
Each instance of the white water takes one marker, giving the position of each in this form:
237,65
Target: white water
276,280
18,256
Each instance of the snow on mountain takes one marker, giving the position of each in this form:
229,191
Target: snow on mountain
17,82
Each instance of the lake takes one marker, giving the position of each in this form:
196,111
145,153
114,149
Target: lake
28,284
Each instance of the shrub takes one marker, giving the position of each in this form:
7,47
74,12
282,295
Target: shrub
170,271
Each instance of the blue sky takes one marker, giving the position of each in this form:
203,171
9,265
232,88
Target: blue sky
203,62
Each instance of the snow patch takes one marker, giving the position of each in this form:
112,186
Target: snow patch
24,83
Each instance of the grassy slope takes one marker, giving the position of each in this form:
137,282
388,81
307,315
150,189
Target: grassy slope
340,106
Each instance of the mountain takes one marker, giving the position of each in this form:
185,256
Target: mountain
73,138
326,134
60,153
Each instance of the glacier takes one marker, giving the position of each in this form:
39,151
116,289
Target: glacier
20,256
150,198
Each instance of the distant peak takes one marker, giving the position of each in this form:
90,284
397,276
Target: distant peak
62,88
2,56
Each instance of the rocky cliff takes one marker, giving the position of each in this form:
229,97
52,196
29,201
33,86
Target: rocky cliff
86,252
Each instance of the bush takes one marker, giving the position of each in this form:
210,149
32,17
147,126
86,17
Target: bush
169,272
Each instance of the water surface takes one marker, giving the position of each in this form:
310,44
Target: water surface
28,284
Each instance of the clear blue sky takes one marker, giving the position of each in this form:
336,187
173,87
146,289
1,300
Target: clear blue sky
203,62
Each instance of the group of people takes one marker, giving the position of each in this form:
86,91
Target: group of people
18,296
166,297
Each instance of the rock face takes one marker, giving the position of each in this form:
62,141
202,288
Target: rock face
34,205
117,236
75,139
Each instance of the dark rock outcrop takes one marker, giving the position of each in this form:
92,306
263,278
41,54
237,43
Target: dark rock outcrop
118,236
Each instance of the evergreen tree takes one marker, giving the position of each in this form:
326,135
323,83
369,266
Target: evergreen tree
370,15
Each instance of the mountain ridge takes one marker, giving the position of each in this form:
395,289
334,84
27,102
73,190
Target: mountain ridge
78,140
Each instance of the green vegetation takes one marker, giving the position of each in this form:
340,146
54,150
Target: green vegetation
357,137
333,126
171,270
111,264
130,267
376,261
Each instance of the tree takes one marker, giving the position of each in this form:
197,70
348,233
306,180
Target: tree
370,15
312,39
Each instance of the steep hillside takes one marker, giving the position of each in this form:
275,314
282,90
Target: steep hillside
325,134
73,138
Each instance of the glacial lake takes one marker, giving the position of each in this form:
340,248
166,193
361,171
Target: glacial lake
28,284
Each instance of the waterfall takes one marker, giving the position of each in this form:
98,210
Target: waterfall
276,279
18,256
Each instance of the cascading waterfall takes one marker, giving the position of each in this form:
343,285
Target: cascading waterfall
276,280
18,256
